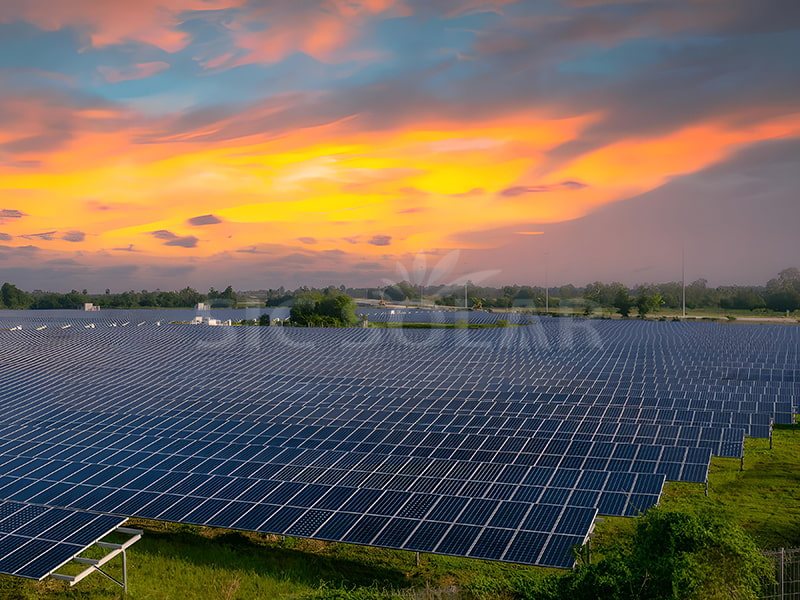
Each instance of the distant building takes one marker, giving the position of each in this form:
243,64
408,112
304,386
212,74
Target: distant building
202,306
209,321
89,307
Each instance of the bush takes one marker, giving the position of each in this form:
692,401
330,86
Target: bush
669,555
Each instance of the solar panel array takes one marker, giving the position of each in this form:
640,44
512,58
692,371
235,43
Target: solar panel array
37,540
499,443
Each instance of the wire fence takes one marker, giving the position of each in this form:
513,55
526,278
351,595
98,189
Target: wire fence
787,574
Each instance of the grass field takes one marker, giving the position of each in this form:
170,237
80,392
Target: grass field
193,563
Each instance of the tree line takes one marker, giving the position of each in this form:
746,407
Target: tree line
11,297
780,293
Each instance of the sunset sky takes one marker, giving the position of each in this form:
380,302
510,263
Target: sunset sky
260,143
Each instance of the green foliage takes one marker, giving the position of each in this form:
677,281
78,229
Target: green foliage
13,297
648,303
185,298
332,309
671,555
226,298
623,302
783,292
264,320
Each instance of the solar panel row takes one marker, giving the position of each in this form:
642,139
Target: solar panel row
439,441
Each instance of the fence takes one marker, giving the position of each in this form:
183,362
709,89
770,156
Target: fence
787,574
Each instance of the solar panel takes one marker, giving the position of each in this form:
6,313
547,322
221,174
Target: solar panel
461,442
36,540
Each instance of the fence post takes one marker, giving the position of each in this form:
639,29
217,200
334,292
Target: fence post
782,564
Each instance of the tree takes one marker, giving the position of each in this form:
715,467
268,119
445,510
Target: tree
13,297
623,302
565,292
313,309
647,303
698,295
409,291
783,293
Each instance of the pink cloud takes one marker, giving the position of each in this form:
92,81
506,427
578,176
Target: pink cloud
460,8
106,23
323,31
138,71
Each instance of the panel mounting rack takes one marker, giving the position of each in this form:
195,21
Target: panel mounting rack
96,564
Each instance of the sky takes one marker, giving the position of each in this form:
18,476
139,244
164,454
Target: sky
263,143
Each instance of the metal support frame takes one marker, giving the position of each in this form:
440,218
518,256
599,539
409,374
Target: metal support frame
741,460
95,564
587,542
771,422
706,486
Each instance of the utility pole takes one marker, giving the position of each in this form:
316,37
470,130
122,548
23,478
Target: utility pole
683,280
546,286
465,296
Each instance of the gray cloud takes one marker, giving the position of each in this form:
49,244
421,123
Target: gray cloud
380,240
368,266
184,242
74,236
170,271
519,190
46,235
163,234
204,220
129,248
307,240
641,238
63,262
172,239
4,237
37,143
10,213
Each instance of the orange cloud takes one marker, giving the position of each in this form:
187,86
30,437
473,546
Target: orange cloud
391,191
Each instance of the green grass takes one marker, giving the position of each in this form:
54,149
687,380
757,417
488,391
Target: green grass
764,498
193,563
197,563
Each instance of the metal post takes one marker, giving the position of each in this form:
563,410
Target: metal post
770,433
417,558
782,565
124,572
546,285
683,280
465,296
706,487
